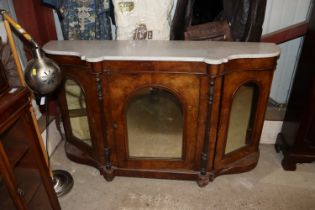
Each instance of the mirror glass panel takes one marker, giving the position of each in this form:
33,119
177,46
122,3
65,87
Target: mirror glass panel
77,111
241,117
155,124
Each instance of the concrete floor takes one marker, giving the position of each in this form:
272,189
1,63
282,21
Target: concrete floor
265,187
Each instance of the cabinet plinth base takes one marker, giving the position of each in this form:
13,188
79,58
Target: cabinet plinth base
243,165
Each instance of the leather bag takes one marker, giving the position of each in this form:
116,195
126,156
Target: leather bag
215,31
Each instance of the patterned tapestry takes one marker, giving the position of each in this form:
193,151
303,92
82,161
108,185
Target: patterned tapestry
83,19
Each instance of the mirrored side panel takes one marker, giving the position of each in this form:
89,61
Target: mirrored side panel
155,125
242,117
77,111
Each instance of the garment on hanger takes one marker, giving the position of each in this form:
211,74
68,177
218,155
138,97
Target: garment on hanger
205,11
83,19
182,19
143,19
246,18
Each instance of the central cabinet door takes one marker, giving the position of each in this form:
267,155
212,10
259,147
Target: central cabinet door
154,119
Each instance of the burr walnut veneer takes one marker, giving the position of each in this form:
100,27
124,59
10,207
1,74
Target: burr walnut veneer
164,109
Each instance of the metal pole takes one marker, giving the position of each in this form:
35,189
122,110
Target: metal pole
7,21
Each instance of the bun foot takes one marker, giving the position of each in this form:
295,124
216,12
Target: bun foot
108,174
288,164
203,180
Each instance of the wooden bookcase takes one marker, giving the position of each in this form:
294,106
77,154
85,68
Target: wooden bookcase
25,182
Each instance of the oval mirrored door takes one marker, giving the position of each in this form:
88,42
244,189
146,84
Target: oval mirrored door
242,116
155,125
77,111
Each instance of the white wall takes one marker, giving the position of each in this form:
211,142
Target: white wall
58,27
3,33
54,137
280,14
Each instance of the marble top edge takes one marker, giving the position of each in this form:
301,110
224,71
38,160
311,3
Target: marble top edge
210,52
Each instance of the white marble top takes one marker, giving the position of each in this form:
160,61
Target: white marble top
203,51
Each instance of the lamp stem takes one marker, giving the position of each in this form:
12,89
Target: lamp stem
37,53
22,82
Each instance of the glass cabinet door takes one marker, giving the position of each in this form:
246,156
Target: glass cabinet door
243,103
77,112
155,121
243,111
155,125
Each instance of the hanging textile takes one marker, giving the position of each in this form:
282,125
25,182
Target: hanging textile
143,19
182,19
83,19
246,17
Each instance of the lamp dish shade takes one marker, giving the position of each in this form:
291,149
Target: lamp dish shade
42,75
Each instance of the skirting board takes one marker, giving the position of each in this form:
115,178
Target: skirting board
54,137
270,132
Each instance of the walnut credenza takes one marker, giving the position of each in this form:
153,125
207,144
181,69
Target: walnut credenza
164,109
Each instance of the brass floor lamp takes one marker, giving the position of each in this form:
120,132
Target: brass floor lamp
42,75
